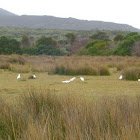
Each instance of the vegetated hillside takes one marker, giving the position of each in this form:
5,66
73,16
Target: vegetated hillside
51,22
18,32
6,13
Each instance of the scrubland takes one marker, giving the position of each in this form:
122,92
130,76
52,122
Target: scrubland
102,107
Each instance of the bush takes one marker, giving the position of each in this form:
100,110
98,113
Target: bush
125,47
9,46
119,37
46,41
98,48
62,70
47,50
20,68
131,73
100,36
91,43
82,51
17,59
104,71
5,65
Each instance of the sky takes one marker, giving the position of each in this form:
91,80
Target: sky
118,11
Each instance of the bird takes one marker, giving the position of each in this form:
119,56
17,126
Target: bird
82,79
18,77
138,80
66,82
72,79
121,77
34,76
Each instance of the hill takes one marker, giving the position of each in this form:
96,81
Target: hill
6,13
50,22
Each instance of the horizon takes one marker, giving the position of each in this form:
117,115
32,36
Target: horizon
122,12
69,17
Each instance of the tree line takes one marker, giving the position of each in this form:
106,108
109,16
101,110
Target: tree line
97,44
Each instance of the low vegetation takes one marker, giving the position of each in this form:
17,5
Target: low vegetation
64,65
44,115
131,73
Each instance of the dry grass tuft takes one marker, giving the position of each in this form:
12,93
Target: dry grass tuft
131,73
5,65
17,59
45,115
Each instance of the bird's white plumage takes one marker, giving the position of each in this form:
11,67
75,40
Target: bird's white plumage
121,77
18,77
65,82
138,80
72,79
82,79
34,76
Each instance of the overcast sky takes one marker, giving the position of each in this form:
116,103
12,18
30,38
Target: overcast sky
119,11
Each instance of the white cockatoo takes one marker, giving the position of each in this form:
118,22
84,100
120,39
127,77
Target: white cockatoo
121,77
72,79
82,79
66,82
18,77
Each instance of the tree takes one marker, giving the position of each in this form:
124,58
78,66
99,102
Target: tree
131,34
32,41
125,47
100,36
91,43
9,46
47,50
98,48
47,41
119,37
71,37
136,49
25,42
47,46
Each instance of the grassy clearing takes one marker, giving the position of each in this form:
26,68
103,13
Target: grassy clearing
94,87
42,114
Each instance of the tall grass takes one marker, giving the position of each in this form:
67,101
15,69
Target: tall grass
64,65
131,73
46,116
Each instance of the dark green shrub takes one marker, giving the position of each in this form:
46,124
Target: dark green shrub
125,47
91,43
98,48
100,36
9,46
119,37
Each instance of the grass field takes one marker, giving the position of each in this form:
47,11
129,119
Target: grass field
93,87
101,108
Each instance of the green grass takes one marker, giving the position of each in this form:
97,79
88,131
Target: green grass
92,88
